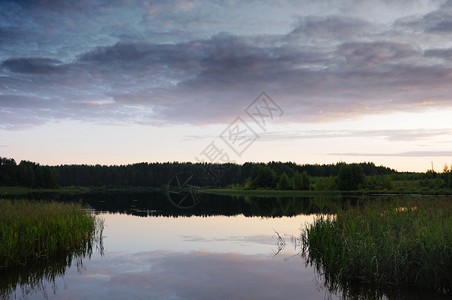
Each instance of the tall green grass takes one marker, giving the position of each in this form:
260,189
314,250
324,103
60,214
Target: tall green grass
395,244
30,231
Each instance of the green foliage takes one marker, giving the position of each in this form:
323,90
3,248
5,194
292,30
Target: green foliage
301,181
262,176
33,230
378,183
430,174
327,170
386,244
447,176
298,182
27,174
350,177
284,182
326,184
306,181
7,171
249,176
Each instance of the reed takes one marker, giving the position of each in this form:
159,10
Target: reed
386,244
30,230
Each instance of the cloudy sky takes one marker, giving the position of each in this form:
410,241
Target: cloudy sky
124,81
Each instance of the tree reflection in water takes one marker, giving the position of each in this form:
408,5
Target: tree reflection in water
41,277
36,277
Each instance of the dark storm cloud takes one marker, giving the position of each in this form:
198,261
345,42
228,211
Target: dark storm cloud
33,65
325,68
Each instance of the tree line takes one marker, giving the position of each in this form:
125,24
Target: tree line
272,175
28,174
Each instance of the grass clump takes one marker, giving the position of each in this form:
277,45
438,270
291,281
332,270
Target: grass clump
396,244
30,231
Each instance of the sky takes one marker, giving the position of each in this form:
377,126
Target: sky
126,81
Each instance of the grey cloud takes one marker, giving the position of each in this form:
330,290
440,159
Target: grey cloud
326,69
327,27
372,54
33,65
8,34
439,21
58,5
54,29
210,80
390,135
14,101
20,119
440,27
136,56
440,53
402,154
436,22
13,40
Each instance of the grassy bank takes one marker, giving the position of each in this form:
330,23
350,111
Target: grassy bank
15,190
396,244
267,193
19,190
294,193
30,231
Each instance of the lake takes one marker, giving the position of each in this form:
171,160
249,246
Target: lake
213,247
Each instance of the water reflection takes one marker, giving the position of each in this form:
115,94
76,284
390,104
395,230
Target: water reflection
40,277
224,248
368,292
183,190
194,275
157,204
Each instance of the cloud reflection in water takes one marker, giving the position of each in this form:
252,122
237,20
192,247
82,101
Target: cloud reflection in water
193,275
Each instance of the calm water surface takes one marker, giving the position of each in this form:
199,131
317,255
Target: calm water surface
224,248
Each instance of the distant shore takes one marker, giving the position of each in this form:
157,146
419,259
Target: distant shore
4,191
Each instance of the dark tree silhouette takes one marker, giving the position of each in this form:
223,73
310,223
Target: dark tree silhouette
351,177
